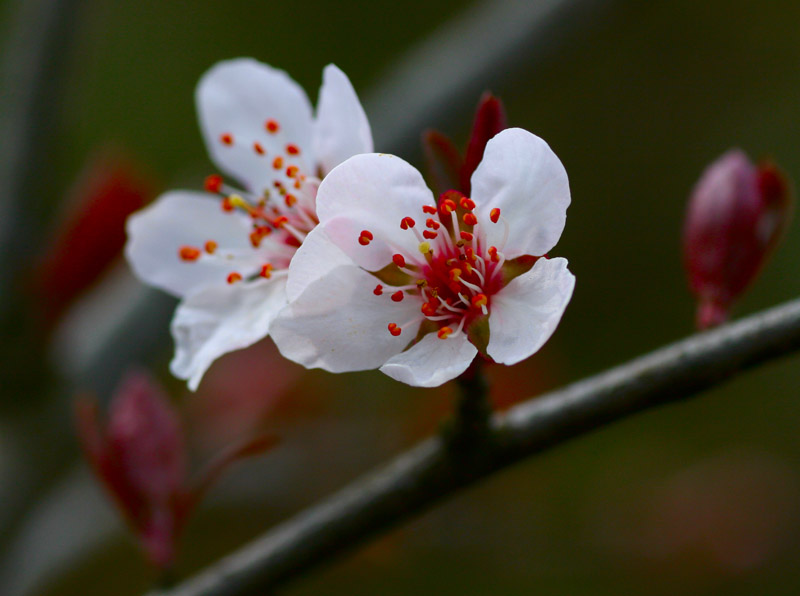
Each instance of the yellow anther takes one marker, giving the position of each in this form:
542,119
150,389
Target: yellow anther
424,247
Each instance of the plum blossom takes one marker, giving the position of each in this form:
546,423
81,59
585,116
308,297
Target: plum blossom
393,279
225,252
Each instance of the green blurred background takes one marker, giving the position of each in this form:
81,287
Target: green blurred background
698,498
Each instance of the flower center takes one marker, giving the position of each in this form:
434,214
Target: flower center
453,275
281,215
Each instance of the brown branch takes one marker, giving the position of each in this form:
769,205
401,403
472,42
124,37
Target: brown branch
419,478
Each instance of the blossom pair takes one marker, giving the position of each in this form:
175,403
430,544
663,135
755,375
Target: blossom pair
344,256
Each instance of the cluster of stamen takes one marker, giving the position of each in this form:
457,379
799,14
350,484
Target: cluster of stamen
454,274
281,216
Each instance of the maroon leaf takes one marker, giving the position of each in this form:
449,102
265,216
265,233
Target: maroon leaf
490,118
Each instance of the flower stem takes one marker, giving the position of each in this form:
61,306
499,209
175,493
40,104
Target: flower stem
470,427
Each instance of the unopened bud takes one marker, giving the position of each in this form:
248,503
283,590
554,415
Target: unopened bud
736,215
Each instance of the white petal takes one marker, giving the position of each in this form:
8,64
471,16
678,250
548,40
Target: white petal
221,319
431,361
373,192
315,257
237,97
522,176
525,313
341,129
183,218
339,325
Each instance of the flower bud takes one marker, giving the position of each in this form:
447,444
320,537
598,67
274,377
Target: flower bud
736,214
140,456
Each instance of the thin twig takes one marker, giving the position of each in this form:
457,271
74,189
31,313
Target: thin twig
424,475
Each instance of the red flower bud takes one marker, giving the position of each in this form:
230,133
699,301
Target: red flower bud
140,455
736,214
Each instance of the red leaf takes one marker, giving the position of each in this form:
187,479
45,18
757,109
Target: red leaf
490,118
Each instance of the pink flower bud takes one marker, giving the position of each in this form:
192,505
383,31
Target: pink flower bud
736,214
140,456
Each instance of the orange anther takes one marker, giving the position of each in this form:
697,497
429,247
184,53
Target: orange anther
272,126
291,171
213,183
399,260
234,277
394,329
211,247
189,253
277,163
494,214
365,237
258,148
447,206
378,290
493,253
470,219
398,296
279,221
255,238
455,274
432,223
407,222
292,149
429,209
226,139
467,203
444,332
479,300
227,204
429,308
266,271
290,200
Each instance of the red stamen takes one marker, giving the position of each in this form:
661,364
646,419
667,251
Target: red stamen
494,214
466,236
226,139
467,203
447,206
213,183
365,238
258,148
493,254
189,253
432,223
429,308
398,296
266,271
234,277
227,204
211,247
444,332
291,171
470,219
479,300
429,234
292,149
378,291
279,221
407,222
399,260
394,329
272,126
429,209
